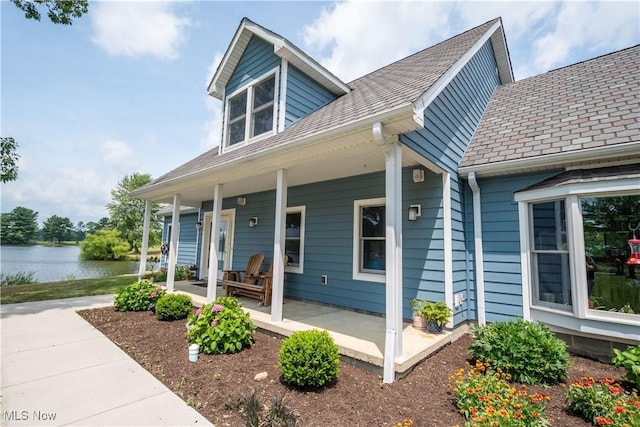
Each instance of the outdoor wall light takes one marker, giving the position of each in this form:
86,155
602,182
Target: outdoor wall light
418,175
199,225
415,212
253,221
241,201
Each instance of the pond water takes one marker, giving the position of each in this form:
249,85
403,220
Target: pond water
51,264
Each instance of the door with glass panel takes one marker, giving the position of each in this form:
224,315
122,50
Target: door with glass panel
225,242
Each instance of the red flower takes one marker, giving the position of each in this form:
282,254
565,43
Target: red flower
619,409
607,381
604,421
614,389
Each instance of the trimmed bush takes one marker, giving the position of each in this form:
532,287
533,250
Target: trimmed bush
174,307
138,296
528,351
630,359
309,359
221,327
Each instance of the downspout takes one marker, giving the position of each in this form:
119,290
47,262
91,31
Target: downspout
477,239
393,261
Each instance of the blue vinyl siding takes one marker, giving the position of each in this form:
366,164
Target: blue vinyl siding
304,96
450,122
258,58
501,245
187,239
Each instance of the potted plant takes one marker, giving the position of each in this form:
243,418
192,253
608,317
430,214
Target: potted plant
419,322
436,314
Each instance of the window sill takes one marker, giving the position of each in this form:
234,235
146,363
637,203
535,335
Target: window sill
370,277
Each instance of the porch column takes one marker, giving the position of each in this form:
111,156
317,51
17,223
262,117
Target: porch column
145,239
212,281
173,245
393,259
448,242
278,247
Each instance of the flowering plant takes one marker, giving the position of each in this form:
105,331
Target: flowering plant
138,296
407,422
486,399
220,327
604,402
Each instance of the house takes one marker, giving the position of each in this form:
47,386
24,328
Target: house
435,177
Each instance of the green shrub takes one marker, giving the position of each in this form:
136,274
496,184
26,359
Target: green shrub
603,402
20,278
630,359
528,351
104,245
173,307
221,327
309,358
138,296
182,273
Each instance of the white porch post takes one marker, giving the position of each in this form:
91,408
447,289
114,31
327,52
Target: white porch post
212,281
145,239
173,246
278,247
393,259
448,242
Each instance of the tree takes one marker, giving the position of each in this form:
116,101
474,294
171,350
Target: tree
56,228
127,213
92,227
59,11
19,226
104,245
9,154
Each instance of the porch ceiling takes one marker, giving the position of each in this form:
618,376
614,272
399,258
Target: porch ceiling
347,155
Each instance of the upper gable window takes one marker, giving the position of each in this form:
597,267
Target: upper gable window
251,111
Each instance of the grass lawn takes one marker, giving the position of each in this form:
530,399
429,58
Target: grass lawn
64,289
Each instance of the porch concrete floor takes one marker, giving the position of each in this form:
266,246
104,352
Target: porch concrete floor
359,336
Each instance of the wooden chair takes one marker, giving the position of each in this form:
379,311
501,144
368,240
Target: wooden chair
249,275
261,289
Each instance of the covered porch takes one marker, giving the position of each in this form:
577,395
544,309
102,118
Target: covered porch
359,336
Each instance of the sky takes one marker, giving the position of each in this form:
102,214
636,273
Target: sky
123,89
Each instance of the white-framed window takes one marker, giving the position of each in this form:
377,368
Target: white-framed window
294,239
251,112
575,252
369,240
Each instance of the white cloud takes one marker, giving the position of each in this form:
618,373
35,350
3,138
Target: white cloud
590,26
117,153
354,38
135,28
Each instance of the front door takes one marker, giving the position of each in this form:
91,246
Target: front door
225,244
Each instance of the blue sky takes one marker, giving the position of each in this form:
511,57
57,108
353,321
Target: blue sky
123,89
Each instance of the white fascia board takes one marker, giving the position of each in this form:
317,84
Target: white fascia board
217,90
175,184
427,98
549,161
617,186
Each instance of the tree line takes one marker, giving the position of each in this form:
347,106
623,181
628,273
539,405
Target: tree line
107,238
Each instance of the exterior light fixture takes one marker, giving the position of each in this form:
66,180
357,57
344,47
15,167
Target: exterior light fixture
241,201
253,221
415,212
418,175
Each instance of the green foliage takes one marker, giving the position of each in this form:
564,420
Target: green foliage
182,273
58,11
437,312
8,159
309,358
603,402
126,214
20,278
486,398
278,415
221,327
57,229
630,359
138,296
528,351
104,245
173,307
19,226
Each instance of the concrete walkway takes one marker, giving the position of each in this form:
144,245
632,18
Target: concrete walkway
59,370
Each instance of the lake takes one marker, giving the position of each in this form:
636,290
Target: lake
51,264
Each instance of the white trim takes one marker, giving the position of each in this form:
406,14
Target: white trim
277,298
142,268
357,274
282,105
600,188
303,213
448,243
212,275
173,245
426,98
479,249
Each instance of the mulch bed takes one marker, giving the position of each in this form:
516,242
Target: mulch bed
217,383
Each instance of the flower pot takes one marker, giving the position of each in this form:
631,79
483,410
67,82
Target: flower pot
434,327
419,322
592,304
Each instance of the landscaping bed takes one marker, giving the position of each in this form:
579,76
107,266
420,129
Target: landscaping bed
216,384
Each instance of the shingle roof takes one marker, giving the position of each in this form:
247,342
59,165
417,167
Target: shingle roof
591,104
393,86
